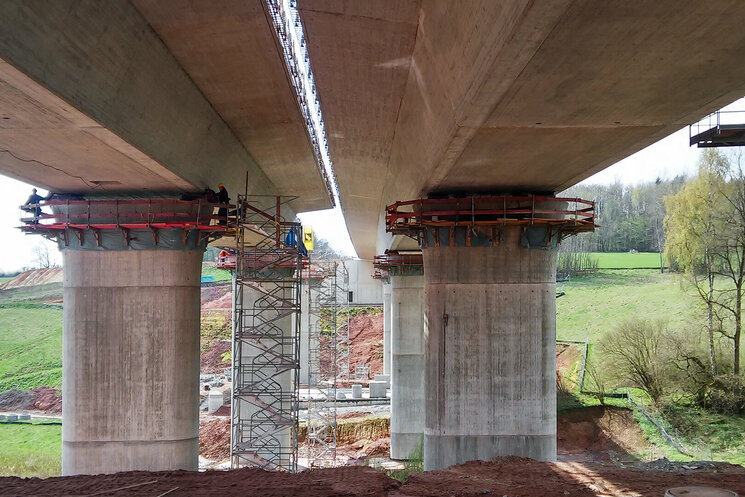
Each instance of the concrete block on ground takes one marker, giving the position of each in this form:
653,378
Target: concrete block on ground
384,377
214,401
341,396
378,389
356,391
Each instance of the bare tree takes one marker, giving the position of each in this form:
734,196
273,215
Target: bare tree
42,258
633,353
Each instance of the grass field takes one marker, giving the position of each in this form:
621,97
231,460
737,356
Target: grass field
30,449
626,260
3,279
218,274
30,346
591,305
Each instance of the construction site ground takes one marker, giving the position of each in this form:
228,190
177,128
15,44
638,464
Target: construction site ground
602,450
508,476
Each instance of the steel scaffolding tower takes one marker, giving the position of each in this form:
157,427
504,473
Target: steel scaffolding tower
328,357
266,333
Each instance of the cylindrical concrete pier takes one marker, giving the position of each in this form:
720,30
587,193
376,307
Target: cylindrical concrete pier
490,326
386,328
130,360
407,364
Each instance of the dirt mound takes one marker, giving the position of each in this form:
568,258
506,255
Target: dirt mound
46,400
225,301
214,439
214,292
372,448
16,400
366,335
598,434
336,482
34,277
211,359
513,476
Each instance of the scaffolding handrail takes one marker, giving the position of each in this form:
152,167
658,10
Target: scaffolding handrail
393,263
410,217
707,129
196,214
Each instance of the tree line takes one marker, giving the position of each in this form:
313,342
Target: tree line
630,216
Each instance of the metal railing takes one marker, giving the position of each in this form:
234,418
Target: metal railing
289,30
714,123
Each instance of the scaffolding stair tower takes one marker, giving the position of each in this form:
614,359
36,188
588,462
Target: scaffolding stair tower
328,356
266,334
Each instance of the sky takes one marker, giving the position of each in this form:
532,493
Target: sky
667,158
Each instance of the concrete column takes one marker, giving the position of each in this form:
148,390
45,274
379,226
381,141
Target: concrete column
386,328
305,319
407,364
130,376
490,326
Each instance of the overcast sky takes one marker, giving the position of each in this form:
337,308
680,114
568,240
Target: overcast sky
667,158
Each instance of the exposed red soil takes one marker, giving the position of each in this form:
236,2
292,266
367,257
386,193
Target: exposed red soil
512,476
224,301
222,411
518,477
211,359
43,399
214,439
372,448
335,482
598,434
211,293
366,335
46,400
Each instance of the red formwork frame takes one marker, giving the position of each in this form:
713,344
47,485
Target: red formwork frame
393,261
412,217
151,214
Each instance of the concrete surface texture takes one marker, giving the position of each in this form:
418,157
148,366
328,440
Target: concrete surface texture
365,289
387,328
511,95
105,104
130,360
407,364
490,329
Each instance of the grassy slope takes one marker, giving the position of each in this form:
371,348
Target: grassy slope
591,305
219,274
30,346
627,260
595,304
30,449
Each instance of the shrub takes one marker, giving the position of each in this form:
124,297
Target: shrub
634,354
726,394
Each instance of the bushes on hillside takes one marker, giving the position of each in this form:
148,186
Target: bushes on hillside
635,355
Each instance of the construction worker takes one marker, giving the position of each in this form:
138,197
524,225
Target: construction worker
32,204
222,198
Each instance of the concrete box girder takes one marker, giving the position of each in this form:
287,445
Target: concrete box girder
493,90
125,88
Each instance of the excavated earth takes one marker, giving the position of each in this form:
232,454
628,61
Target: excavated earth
508,476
